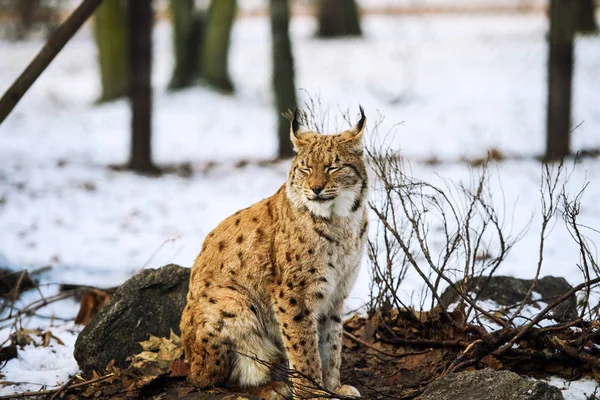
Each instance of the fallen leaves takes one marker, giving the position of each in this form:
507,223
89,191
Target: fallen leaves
179,369
25,337
159,355
401,351
156,370
386,355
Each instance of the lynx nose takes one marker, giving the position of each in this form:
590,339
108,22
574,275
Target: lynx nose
317,189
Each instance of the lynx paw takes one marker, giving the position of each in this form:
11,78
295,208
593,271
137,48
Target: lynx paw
347,390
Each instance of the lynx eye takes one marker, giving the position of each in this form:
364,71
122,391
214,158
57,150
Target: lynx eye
332,169
304,170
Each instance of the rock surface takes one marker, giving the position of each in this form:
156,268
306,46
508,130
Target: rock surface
489,385
150,302
508,291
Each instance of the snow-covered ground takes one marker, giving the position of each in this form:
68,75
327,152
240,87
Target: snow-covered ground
460,86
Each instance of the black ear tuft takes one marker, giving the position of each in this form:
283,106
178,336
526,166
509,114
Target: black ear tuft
295,122
361,123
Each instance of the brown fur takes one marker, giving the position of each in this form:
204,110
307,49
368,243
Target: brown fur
271,279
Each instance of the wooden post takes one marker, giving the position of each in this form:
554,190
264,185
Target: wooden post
45,56
563,23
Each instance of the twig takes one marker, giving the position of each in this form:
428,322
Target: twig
16,293
548,211
53,391
445,278
543,313
62,388
426,343
168,240
36,305
571,351
386,353
559,327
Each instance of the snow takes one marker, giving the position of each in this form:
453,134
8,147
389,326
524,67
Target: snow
46,366
460,85
582,389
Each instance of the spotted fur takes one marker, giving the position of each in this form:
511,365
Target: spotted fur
270,282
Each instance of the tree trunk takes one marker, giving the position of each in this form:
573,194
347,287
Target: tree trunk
563,22
587,17
214,69
338,18
283,73
139,15
110,31
26,10
187,38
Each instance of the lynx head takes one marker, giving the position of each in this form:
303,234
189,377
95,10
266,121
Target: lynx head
328,174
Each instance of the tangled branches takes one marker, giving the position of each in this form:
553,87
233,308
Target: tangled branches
454,239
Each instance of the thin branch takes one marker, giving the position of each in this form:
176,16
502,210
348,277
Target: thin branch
52,391
53,46
544,312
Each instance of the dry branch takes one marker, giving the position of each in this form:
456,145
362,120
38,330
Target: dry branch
407,210
53,391
540,316
45,56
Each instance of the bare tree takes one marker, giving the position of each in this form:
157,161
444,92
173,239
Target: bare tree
283,72
338,18
26,9
110,32
188,24
586,23
140,15
214,65
563,23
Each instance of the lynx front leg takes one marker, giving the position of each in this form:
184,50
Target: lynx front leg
330,349
299,330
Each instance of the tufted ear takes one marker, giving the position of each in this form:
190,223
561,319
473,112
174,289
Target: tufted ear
354,135
295,133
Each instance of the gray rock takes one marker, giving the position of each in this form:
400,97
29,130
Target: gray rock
510,291
488,384
150,302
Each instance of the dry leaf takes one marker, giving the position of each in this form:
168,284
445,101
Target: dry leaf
367,331
91,303
492,362
179,369
23,337
47,336
158,355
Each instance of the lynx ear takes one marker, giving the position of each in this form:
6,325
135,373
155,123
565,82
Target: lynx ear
295,134
354,135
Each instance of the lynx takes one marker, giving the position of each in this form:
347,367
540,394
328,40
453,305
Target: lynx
268,287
